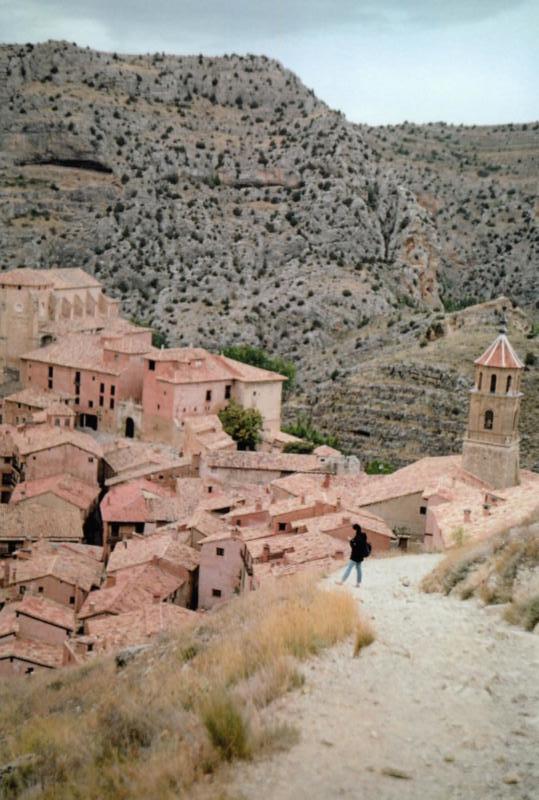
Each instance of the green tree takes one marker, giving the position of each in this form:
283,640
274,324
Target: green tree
303,428
243,424
257,357
299,447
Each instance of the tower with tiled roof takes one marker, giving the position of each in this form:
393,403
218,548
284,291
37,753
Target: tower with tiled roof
491,443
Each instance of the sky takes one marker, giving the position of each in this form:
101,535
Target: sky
378,61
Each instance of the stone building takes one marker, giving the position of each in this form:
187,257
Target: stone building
491,443
39,306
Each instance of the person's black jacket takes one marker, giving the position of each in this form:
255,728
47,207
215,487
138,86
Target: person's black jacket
358,547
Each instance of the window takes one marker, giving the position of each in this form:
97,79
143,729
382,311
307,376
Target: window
90,403
282,526
112,390
216,593
66,423
210,489
6,479
101,400
77,377
102,388
151,365
489,420
40,589
139,527
77,401
111,403
228,392
423,509
22,589
480,381
208,395
57,422
492,384
91,460
72,600
509,382
220,551
51,372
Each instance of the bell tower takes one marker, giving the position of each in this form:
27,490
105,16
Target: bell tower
491,443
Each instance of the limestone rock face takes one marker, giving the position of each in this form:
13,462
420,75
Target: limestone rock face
222,202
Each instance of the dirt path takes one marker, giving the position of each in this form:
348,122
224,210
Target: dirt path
447,697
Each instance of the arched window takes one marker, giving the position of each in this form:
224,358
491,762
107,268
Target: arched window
509,382
493,383
489,420
479,381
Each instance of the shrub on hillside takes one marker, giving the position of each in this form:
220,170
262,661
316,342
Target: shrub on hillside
257,357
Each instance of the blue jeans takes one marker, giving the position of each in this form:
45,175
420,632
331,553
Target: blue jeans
348,569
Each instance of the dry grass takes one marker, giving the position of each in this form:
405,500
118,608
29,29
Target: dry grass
491,570
364,636
172,717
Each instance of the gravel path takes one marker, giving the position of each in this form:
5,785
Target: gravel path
444,705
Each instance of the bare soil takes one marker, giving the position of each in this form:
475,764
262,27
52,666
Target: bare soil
444,705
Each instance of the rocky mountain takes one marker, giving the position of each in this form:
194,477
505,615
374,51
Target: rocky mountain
223,202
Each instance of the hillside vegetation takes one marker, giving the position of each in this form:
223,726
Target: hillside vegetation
499,570
226,205
166,721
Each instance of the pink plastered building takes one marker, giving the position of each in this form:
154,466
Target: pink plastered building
184,382
97,372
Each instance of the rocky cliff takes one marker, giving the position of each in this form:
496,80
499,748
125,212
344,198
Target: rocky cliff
222,202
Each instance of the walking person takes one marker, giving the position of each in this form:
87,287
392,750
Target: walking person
359,549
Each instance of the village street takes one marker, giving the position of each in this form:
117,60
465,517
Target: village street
444,705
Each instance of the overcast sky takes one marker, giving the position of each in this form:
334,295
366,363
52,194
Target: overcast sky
379,61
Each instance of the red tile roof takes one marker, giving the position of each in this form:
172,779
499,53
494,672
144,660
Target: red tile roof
47,611
137,627
134,587
38,521
66,562
500,354
143,549
33,651
68,488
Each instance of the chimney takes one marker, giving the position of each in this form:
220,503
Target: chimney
302,499
156,598
266,553
91,607
338,503
125,543
327,481
467,515
111,581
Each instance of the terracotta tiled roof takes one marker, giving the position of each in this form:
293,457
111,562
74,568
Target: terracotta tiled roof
326,523
47,611
249,374
500,354
134,587
279,462
38,398
31,439
142,549
37,521
122,456
195,365
137,627
132,501
72,564
519,505
78,350
33,651
72,278
67,487
24,276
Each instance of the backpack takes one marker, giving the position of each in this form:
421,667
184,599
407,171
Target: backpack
368,549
